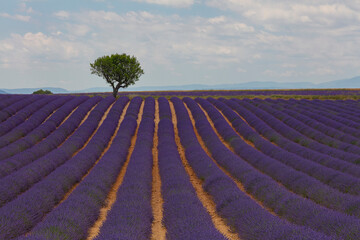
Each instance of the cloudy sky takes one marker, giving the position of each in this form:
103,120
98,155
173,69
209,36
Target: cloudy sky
51,43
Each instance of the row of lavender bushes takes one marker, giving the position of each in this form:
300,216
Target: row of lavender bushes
283,202
8,100
299,123
131,215
290,133
245,216
343,182
47,180
13,104
74,216
295,181
33,136
21,115
49,144
322,124
319,117
33,121
270,134
184,216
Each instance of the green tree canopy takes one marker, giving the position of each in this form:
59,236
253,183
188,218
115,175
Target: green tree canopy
40,91
120,71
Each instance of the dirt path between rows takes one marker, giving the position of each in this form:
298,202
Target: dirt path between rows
76,184
158,230
238,183
111,198
69,115
102,154
205,198
82,121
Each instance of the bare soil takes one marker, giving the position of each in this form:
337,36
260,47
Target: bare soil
238,183
111,198
205,198
158,230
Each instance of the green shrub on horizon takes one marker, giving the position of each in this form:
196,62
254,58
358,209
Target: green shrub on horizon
40,91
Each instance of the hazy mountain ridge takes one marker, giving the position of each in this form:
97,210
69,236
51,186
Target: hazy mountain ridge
31,90
344,83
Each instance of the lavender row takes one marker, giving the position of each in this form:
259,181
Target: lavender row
335,115
20,215
293,180
314,151
338,107
320,92
296,136
23,114
327,126
131,215
343,181
319,116
21,180
8,166
33,121
8,100
316,130
40,131
245,216
345,107
286,204
270,134
297,123
76,214
335,109
17,103
184,215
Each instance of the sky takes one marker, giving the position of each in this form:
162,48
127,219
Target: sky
48,43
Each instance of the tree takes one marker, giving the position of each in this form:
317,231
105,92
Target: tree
40,91
120,71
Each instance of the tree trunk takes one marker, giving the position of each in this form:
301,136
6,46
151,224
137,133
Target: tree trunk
115,92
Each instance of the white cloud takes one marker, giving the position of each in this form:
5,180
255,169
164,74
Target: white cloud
241,70
323,71
217,20
288,65
16,17
24,8
23,50
62,14
296,41
171,3
291,12
78,30
168,39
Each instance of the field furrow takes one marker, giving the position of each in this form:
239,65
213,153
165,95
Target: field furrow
47,148
344,182
154,168
231,202
206,200
158,231
274,190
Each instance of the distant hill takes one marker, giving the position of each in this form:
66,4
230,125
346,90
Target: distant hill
31,90
344,83
2,92
240,86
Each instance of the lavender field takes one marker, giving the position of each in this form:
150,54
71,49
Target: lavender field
323,94
80,167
